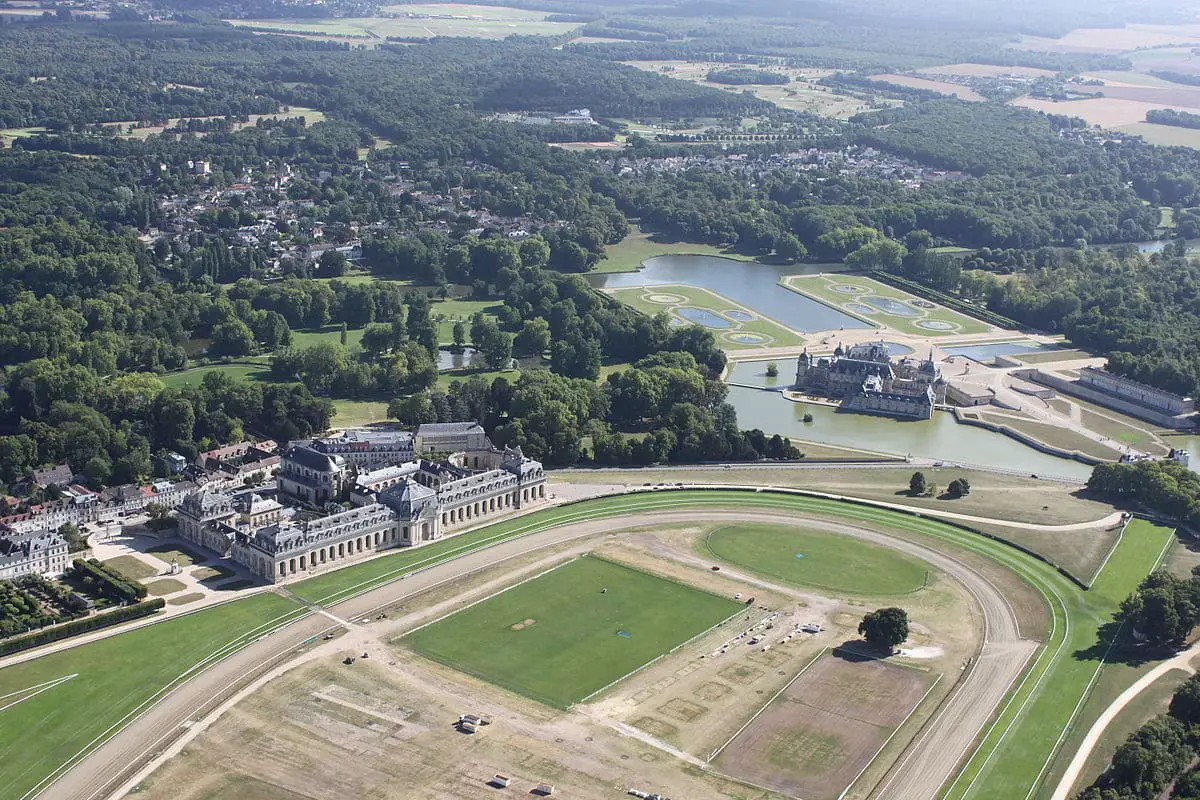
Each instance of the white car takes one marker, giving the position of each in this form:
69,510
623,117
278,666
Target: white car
811,627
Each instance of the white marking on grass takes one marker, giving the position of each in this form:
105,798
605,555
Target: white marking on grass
33,691
215,656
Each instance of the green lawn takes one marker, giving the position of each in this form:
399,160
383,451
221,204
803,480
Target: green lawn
132,568
331,334
164,586
671,299
818,559
628,255
115,678
448,377
239,372
1026,735
357,413
822,287
168,553
451,311
560,637
213,573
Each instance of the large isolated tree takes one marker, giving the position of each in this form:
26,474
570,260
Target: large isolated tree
885,628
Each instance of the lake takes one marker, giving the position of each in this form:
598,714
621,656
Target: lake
753,285
940,438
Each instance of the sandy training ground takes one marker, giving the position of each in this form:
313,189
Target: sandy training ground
816,737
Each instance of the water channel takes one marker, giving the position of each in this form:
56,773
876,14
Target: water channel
756,286
941,438
753,285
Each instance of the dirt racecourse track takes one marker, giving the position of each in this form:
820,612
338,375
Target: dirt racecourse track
919,773
817,737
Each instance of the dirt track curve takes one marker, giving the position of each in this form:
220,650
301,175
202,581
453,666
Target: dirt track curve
918,775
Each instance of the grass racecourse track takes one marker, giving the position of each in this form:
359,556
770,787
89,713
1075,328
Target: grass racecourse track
818,559
572,631
43,735
114,679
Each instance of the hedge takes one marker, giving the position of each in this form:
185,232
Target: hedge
75,627
112,582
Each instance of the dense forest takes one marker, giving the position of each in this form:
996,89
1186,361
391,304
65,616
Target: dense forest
137,255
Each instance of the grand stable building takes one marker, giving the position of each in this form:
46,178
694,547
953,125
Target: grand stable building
400,505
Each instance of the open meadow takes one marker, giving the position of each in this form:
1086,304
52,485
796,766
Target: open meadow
931,85
570,632
802,93
630,252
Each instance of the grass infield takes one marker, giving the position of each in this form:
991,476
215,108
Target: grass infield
561,637
818,559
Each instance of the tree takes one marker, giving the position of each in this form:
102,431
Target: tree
232,338
459,334
415,409
75,540
959,487
885,628
917,483
882,254
772,370
1185,705
331,265
789,248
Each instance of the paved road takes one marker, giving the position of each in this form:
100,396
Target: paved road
1182,661
926,766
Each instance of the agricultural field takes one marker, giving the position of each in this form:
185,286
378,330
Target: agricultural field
422,20
1164,135
812,558
1115,40
104,682
985,71
735,327
883,305
571,632
803,93
928,84
819,735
